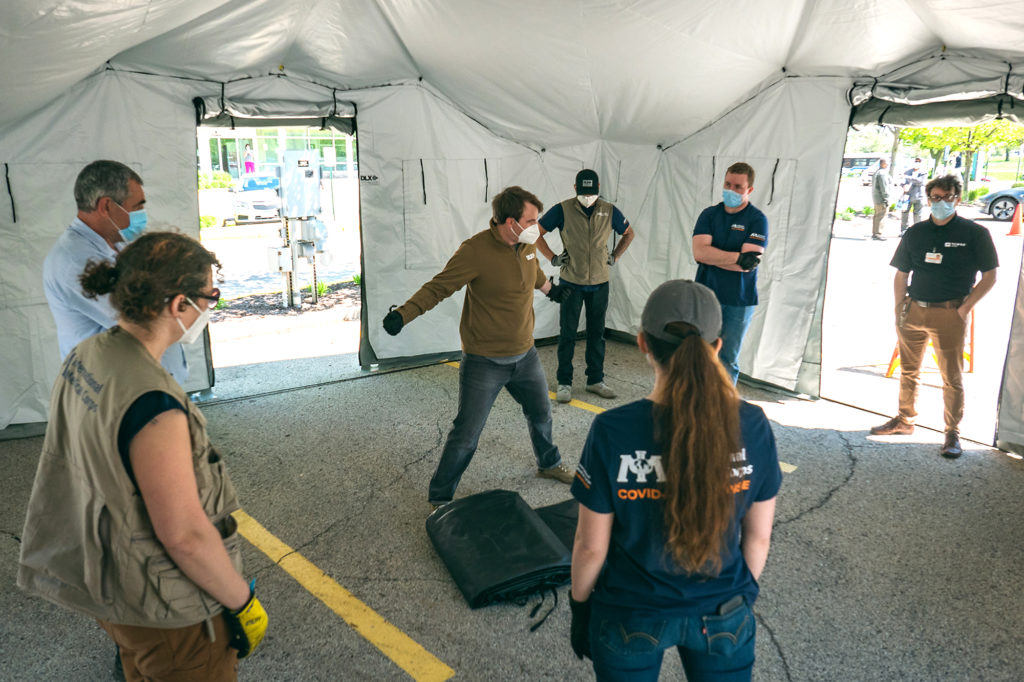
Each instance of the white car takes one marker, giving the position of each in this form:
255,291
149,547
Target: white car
257,199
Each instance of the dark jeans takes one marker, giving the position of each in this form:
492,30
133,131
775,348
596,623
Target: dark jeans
597,306
735,320
480,381
628,645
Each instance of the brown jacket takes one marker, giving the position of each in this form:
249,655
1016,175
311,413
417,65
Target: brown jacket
497,316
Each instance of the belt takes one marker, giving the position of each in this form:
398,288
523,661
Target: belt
955,303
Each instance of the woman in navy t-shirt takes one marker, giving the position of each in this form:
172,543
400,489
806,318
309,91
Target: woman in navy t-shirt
677,496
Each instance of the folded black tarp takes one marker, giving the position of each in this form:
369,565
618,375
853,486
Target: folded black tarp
497,548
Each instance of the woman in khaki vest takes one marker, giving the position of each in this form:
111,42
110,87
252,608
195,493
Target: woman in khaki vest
130,515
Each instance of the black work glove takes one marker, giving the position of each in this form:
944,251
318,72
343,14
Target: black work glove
557,293
579,628
748,260
561,259
393,321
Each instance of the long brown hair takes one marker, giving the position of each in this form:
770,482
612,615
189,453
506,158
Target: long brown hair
697,427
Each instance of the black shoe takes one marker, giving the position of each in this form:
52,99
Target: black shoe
118,666
878,238
951,447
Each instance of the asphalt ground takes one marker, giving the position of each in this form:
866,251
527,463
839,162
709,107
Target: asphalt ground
888,562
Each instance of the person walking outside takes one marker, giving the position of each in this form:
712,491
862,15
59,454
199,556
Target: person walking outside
677,495
880,197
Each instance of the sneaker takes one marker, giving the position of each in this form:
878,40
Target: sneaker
878,238
601,389
951,447
894,427
559,473
564,393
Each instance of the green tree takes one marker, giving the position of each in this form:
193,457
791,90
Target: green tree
968,140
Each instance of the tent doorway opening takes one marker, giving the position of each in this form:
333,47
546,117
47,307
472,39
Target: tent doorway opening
270,333
858,332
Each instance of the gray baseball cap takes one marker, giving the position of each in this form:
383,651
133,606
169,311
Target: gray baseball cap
680,300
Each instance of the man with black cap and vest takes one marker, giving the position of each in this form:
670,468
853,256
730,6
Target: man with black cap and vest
587,223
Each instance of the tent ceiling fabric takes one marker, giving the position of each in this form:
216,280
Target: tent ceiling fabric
554,74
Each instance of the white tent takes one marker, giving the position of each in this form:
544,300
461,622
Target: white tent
454,99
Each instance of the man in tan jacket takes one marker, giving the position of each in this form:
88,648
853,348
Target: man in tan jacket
499,269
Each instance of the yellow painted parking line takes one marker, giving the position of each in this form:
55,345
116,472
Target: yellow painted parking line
786,468
393,643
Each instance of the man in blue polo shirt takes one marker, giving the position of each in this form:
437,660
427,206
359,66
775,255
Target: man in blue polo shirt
111,213
728,241
586,223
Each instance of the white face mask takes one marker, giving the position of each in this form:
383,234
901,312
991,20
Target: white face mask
191,335
530,234
587,200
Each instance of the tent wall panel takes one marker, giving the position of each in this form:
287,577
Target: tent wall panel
151,127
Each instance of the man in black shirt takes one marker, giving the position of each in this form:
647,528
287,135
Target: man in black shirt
945,254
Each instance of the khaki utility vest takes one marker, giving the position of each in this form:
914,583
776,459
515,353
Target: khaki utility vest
586,240
88,543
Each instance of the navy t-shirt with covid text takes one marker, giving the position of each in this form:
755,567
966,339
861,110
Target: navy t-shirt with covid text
729,232
621,471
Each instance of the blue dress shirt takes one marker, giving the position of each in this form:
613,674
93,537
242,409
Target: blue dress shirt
78,317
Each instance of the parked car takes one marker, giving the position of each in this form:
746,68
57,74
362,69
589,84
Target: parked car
257,199
1000,205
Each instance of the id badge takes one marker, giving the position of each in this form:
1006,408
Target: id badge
934,257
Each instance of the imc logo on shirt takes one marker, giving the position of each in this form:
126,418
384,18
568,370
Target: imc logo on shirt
641,466
950,245
758,237
738,227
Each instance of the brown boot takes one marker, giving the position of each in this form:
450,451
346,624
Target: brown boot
951,447
894,427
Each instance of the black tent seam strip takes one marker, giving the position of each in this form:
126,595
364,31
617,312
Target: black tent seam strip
423,182
487,182
713,160
774,171
7,179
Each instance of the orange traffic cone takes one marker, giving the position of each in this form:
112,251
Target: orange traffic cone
1015,223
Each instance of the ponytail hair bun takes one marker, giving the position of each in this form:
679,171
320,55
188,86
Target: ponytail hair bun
99,278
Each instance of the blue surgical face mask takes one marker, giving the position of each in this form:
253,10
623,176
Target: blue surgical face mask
136,223
942,209
732,199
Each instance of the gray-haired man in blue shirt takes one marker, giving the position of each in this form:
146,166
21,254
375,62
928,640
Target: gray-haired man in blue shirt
111,212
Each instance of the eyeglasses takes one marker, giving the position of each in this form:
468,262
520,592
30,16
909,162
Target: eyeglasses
213,298
945,197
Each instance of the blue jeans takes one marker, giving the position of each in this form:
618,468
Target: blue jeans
735,320
480,381
569,321
629,645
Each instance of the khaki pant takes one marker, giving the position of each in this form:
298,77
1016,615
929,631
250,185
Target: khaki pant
945,328
881,210
175,655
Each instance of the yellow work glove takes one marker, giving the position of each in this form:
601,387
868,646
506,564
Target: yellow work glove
247,625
